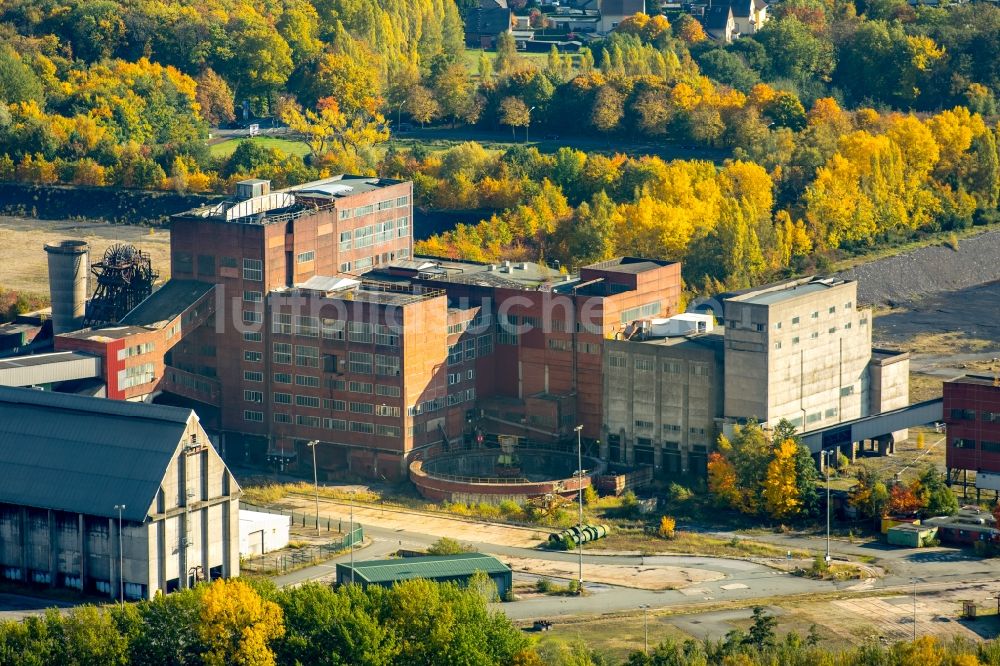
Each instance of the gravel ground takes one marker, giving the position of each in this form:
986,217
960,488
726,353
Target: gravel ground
905,278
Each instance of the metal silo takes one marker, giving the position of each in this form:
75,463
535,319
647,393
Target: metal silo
69,263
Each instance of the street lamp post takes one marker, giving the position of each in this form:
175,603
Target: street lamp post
121,556
914,609
528,126
579,492
312,445
645,628
826,466
351,500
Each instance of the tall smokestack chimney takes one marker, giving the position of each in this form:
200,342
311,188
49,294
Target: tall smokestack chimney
69,263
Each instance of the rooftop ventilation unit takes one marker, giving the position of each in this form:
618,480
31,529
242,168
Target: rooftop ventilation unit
254,187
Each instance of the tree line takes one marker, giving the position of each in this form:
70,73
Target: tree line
252,623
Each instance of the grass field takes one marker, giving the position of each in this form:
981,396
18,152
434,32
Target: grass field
471,58
225,148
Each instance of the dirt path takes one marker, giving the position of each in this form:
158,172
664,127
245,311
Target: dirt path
658,577
439,526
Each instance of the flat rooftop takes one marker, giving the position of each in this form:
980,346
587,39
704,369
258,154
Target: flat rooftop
35,360
166,303
351,288
105,334
980,380
629,265
291,202
786,291
715,339
523,275
441,566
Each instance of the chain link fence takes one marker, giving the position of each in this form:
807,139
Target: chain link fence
290,559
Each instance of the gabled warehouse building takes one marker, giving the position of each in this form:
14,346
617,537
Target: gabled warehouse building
67,463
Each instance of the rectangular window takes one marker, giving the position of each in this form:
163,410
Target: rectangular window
250,336
304,257
359,331
402,201
699,370
306,356
364,237
359,387
387,366
360,363
990,447
672,367
455,398
282,398
332,405
814,335
281,323
252,317
777,325
616,361
795,340
367,428
331,329
560,345
253,269
795,321
454,378
387,391
362,408
386,336
833,309
777,345
253,396
307,401
470,349
403,227
647,310
282,418
759,327
282,353
814,417
470,394
307,380
253,376
388,431
831,413
815,314
484,345
846,391
308,421
253,356
848,325
307,326
386,205
963,414
256,417
282,378
991,417
335,424
253,296
964,443
470,374
848,305
645,425
645,363
455,354
832,330
365,262
387,410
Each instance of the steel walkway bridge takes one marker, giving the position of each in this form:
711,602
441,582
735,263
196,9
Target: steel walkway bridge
877,427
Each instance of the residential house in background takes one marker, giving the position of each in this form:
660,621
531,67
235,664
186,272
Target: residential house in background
484,23
614,12
719,23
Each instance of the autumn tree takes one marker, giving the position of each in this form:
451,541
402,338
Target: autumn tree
781,492
215,98
722,480
237,625
514,112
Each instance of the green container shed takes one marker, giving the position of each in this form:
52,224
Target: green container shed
911,536
440,568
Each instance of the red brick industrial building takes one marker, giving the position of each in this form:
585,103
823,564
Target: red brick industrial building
972,415
300,315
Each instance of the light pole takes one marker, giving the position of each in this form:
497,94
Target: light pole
528,126
579,492
351,500
914,609
645,628
121,556
312,445
826,466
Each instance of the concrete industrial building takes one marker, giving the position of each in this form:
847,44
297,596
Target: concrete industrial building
798,350
301,315
69,462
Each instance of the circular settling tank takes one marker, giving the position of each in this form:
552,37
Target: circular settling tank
490,476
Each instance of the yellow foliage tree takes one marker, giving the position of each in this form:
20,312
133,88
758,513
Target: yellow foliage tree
237,625
782,498
667,527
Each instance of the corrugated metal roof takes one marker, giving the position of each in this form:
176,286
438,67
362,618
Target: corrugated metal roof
85,455
440,566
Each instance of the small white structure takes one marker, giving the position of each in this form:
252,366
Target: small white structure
262,532
687,323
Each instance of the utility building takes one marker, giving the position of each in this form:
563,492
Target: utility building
69,462
458,568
